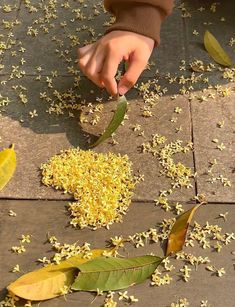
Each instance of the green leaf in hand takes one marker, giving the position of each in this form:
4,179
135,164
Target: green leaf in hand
7,165
108,274
178,232
115,122
215,50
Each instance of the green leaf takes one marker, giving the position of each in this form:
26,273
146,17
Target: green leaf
178,232
115,122
215,50
126,65
108,274
46,283
7,165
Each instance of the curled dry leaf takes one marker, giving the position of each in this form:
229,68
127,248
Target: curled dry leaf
108,274
178,232
115,122
215,50
46,283
7,165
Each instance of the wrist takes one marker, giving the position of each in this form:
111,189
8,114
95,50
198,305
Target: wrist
132,18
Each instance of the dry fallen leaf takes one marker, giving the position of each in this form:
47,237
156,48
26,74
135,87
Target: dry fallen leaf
46,283
215,50
178,232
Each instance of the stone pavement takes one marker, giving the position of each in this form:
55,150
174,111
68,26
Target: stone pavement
41,91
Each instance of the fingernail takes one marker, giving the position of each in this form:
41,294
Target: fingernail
123,89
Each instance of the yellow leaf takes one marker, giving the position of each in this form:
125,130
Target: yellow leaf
7,165
179,230
47,283
215,50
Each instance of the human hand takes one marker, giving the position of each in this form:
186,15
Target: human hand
99,61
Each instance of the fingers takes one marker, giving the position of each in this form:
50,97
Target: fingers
83,50
109,71
94,67
136,66
84,59
91,63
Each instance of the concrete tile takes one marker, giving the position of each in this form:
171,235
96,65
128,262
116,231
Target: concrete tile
5,32
131,144
168,55
14,7
206,117
55,48
29,134
53,219
37,139
208,20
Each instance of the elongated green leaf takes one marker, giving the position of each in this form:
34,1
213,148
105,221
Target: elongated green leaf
115,122
178,232
7,165
126,65
47,283
114,273
215,50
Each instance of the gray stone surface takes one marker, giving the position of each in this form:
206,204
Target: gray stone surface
52,218
54,47
207,19
37,139
206,116
166,58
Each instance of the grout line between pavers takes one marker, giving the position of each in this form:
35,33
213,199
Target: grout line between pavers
186,56
145,201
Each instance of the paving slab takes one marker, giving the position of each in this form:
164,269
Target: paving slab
53,219
216,18
207,136
8,10
52,42
166,57
8,13
37,139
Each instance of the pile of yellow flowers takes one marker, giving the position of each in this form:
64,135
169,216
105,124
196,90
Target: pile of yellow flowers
101,184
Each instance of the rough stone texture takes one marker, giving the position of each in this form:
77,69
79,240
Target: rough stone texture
53,219
38,138
206,117
165,57
59,36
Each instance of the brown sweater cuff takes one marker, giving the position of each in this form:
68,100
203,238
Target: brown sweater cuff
140,18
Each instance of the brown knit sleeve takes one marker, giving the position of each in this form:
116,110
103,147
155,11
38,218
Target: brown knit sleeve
139,16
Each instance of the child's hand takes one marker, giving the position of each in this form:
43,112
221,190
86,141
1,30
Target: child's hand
99,61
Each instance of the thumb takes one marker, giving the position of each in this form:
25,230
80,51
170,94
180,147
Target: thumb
135,68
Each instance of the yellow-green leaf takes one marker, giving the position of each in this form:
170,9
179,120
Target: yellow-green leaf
215,50
47,283
115,122
126,65
178,232
111,273
7,165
